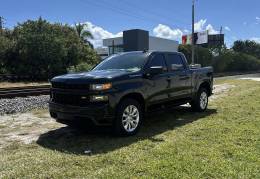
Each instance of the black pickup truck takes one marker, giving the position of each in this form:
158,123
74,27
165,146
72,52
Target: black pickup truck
121,89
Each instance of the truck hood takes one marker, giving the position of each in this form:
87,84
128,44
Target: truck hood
92,76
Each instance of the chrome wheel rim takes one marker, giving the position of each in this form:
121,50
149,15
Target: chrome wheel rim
203,100
130,118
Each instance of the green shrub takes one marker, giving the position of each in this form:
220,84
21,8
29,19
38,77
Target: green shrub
222,60
244,62
248,47
82,67
202,56
232,61
6,46
43,50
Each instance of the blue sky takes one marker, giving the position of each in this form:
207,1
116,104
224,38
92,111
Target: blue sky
165,18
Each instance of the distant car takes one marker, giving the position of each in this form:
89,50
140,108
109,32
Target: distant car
121,89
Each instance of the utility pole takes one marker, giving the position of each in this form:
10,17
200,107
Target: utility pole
113,47
1,25
221,28
193,40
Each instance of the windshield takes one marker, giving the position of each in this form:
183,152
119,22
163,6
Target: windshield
125,61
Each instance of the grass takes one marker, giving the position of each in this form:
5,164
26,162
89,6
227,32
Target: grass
223,142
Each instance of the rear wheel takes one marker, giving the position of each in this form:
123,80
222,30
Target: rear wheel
200,103
129,117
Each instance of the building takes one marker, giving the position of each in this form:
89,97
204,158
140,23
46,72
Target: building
102,52
215,40
138,40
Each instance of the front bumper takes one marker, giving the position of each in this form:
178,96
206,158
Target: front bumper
99,114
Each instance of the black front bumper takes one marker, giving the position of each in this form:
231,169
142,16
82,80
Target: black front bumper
99,114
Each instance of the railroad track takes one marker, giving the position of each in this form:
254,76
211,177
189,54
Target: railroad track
24,91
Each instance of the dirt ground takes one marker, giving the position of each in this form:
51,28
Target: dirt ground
27,127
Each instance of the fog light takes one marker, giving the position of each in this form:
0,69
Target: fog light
98,98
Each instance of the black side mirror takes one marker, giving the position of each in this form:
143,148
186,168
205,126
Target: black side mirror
155,70
176,67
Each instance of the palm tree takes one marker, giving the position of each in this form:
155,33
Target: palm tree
84,34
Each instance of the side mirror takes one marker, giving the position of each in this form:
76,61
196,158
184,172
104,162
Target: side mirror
155,70
176,67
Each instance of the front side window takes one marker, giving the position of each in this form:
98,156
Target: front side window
175,62
158,60
125,61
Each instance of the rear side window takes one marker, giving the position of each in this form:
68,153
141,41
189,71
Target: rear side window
175,62
158,60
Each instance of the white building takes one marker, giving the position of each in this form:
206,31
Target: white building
138,40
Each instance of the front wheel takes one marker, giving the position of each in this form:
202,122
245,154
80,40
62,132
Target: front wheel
129,117
200,103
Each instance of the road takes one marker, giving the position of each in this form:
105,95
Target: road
255,77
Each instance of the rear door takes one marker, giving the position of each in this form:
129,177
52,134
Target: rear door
157,85
180,78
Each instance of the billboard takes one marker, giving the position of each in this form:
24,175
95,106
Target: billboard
202,37
187,39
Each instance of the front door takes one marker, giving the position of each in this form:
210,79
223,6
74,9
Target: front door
180,79
157,85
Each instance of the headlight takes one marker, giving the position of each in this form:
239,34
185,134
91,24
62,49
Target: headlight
99,87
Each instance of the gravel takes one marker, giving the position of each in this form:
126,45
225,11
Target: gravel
19,105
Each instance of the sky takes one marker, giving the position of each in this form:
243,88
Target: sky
240,19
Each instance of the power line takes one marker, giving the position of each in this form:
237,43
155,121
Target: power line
97,4
132,14
153,13
153,16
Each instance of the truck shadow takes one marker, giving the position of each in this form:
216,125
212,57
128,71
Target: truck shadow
100,140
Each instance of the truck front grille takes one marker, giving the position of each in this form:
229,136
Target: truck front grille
60,85
70,99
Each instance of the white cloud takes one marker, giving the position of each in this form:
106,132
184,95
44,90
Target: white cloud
257,20
186,31
256,39
199,26
160,30
165,31
227,28
99,33
211,29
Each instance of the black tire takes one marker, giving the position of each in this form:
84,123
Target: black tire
196,103
118,126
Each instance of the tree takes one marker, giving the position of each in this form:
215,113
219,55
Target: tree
6,47
203,56
247,47
84,34
43,50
